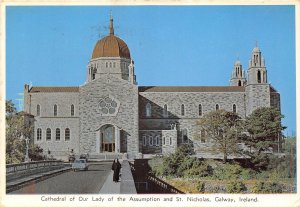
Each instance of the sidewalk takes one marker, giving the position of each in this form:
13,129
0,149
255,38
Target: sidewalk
13,185
110,187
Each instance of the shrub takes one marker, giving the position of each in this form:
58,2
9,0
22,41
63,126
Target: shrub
264,187
201,187
227,172
235,187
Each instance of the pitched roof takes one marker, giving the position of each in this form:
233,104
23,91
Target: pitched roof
191,89
41,89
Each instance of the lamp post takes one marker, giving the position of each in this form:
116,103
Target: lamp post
26,155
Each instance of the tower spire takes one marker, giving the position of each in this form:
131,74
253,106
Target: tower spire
111,25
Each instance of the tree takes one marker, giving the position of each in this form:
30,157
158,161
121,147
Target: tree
264,130
224,128
15,146
18,126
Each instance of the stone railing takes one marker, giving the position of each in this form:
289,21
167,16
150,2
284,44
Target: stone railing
127,182
15,171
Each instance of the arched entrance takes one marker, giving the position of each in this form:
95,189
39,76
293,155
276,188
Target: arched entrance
107,137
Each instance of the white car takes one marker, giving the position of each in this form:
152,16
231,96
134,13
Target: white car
80,164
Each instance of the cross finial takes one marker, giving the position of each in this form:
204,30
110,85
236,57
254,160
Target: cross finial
111,24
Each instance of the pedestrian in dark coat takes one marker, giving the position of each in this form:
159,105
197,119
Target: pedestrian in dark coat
118,168
113,168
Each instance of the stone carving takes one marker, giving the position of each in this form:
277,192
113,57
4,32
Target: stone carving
108,106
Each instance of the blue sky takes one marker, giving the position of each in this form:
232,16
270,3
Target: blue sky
171,45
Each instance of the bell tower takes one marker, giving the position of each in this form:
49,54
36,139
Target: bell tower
257,89
257,72
238,75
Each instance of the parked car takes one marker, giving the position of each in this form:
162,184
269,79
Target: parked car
80,164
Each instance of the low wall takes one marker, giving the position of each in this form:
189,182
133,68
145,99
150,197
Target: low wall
16,171
127,182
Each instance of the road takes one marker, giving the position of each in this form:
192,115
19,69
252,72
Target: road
79,182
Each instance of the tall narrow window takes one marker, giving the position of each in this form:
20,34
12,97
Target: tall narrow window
148,110
150,140
258,76
110,64
165,112
217,107
184,136
39,134
114,64
164,141
155,141
72,110
158,140
106,64
200,110
182,110
234,108
202,136
170,140
57,134
38,110
240,83
48,134
67,134
144,140
55,110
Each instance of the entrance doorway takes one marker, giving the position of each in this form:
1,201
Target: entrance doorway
107,133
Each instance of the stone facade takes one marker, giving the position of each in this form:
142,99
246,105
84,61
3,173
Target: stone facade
110,114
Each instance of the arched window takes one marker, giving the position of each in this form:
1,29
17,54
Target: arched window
55,110
67,134
57,134
182,110
150,140
200,110
155,141
240,83
170,140
217,107
39,134
144,140
110,64
234,108
165,112
106,64
48,134
203,136
158,140
72,110
184,136
148,110
38,110
258,76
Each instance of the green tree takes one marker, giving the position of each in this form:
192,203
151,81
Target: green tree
224,128
18,126
264,130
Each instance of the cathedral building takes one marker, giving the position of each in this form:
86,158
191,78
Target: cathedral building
110,114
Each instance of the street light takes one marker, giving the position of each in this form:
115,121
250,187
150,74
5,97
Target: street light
26,155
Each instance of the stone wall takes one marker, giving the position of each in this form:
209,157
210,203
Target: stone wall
57,148
257,95
92,118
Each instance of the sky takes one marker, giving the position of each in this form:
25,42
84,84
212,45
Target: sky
170,45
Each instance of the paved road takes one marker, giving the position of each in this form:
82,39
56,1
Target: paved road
80,182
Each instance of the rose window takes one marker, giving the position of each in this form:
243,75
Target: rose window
108,106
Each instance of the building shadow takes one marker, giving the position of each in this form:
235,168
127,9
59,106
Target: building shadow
146,182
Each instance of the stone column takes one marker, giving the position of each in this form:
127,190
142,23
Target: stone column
117,140
98,141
